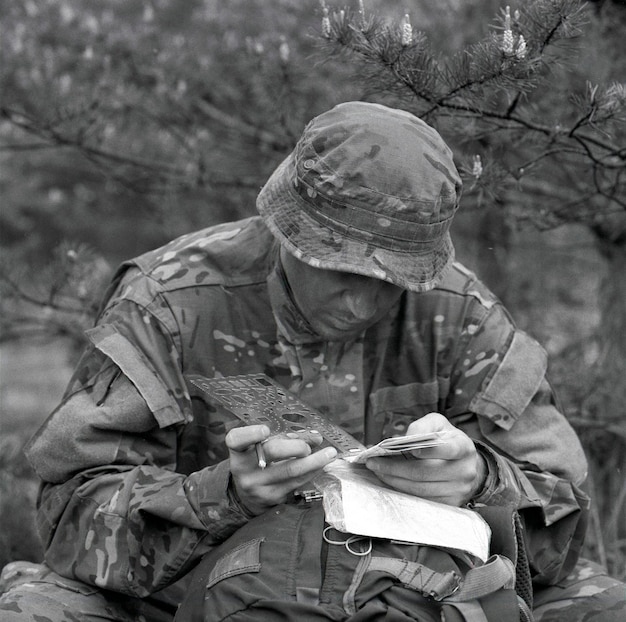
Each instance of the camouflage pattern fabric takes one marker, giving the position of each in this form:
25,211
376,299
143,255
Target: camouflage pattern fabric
33,593
586,594
133,462
370,190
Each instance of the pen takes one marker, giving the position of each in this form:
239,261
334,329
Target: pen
260,454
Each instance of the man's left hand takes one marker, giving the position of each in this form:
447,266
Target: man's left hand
450,473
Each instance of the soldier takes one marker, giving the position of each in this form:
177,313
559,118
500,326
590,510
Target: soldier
345,291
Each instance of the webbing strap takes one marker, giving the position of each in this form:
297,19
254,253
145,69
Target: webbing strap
497,573
306,569
349,597
470,611
418,577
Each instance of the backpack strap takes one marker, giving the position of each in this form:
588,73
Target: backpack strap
507,539
470,611
497,573
418,577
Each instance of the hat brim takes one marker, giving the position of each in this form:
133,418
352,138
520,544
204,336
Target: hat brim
318,245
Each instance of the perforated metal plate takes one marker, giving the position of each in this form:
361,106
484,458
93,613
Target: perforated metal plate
257,399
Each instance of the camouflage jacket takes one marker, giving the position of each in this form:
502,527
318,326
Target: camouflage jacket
134,465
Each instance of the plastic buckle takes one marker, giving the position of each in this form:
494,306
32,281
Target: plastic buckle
309,495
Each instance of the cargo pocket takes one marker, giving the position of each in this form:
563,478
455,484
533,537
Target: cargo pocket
514,383
234,584
138,369
243,559
395,408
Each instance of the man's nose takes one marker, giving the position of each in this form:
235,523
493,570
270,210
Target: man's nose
362,304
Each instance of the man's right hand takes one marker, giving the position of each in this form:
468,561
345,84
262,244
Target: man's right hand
291,464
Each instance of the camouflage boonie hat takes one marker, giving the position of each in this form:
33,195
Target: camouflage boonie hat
370,190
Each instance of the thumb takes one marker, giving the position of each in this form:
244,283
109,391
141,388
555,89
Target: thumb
432,422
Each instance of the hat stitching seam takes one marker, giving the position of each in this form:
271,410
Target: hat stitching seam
313,212
428,246
299,160
408,199
411,253
413,201
382,237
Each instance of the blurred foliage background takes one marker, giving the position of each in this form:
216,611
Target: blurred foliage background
124,123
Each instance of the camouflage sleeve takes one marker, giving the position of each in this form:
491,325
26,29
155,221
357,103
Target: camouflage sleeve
534,457
114,512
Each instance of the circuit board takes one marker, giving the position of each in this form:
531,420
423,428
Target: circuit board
257,399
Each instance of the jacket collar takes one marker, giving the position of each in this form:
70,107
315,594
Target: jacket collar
292,324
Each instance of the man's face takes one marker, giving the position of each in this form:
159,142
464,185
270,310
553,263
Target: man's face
338,305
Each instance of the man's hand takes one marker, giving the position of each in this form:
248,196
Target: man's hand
450,473
290,465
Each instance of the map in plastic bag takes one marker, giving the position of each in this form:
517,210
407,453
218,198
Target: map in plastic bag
357,502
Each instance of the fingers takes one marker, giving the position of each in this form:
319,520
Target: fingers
301,470
278,447
446,473
432,422
425,470
446,492
241,439
291,464
457,445
259,489
281,452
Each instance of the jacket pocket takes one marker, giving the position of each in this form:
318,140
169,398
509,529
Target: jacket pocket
395,408
244,558
138,369
514,383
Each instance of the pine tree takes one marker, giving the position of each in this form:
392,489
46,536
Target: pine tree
539,133
505,103
128,123
125,123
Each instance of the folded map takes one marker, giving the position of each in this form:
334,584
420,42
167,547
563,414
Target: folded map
398,445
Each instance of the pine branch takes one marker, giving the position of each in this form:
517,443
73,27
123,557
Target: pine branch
256,134
487,92
31,125
66,291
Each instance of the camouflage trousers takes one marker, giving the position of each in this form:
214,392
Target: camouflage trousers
33,593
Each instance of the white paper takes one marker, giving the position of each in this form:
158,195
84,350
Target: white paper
357,502
397,445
